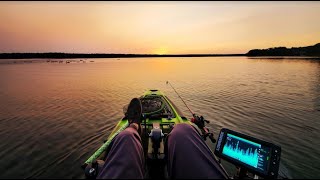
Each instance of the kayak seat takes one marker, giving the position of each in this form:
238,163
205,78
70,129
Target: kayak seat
155,149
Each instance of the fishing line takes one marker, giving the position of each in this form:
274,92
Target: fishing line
180,98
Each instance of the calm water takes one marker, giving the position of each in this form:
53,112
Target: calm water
53,116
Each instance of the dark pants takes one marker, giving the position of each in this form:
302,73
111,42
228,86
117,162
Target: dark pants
188,156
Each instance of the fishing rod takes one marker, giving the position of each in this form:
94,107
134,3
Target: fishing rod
193,114
198,120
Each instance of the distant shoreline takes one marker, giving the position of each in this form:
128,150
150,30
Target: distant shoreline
90,56
93,56
283,51
311,51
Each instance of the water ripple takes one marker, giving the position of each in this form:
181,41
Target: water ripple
54,116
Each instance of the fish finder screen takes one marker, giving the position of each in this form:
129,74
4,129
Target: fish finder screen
247,152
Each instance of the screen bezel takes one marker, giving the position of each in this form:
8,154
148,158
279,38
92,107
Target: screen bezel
239,163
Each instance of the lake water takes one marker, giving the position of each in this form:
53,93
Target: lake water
53,116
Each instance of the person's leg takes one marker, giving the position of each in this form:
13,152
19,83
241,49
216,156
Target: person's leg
189,156
125,159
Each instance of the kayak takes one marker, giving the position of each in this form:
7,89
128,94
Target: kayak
159,116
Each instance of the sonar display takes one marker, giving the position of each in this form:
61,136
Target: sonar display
243,150
256,156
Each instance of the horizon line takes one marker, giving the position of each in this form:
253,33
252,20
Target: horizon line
317,44
123,53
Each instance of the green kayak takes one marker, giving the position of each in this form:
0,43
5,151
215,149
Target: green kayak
159,116
158,112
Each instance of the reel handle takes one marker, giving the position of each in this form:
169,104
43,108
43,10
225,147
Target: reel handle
200,122
213,140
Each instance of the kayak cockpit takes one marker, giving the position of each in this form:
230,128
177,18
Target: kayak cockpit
159,115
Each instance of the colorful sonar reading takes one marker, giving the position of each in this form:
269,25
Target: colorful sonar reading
241,149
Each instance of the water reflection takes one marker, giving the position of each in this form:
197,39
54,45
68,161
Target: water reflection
55,115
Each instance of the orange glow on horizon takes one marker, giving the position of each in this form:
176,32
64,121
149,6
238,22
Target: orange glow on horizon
145,27
161,51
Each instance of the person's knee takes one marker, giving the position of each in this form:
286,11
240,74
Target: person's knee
181,129
128,133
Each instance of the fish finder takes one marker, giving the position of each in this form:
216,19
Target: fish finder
257,156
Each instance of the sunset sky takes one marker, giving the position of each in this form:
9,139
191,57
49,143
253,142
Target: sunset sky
156,27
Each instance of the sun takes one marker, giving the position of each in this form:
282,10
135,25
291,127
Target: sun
161,51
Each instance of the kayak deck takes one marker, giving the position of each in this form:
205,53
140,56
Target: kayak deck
159,117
